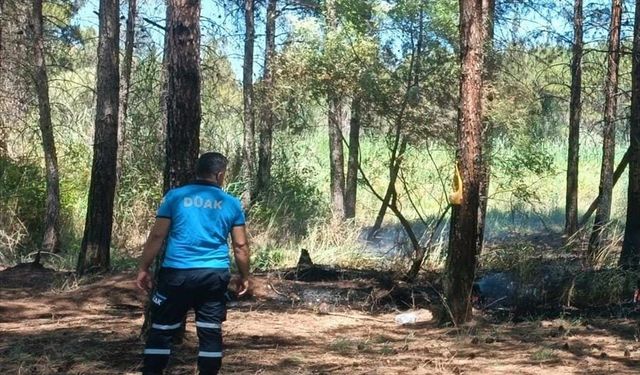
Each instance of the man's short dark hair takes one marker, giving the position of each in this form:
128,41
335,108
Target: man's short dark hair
210,164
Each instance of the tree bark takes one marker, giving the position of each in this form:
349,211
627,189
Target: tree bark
336,151
183,109
51,240
351,184
603,214
125,85
3,143
247,94
461,257
94,251
488,17
575,112
268,118
335,119
183,106
630,256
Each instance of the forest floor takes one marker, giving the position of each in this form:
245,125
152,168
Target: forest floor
52,324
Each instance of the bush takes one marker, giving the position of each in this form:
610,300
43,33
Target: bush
22,207
291,204
267,259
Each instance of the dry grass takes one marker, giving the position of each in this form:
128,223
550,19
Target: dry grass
336,245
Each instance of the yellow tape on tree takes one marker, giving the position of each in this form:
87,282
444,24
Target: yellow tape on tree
455,198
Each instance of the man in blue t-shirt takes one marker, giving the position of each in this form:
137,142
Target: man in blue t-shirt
195,220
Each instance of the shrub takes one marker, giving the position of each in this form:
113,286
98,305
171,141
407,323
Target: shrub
22,198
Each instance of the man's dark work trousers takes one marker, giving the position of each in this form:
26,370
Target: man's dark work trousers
202,289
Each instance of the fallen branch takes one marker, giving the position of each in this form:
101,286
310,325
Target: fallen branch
276,290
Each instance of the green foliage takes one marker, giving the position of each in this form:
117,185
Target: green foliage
292,203
521,258
604,287
266,259
22,196
221,127
525,158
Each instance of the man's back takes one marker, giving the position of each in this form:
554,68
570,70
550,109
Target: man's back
202,216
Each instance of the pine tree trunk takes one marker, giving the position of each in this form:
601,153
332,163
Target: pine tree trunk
50,241
183,92
461,257
630,256
603,214
3,143
95,248
335,118
575,111
249,147
336,151
268,117
488,15
353,162
183,108
125,85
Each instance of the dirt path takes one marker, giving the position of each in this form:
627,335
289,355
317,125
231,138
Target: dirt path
93,329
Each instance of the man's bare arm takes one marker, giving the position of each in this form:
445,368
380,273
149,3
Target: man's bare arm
151,249
154,242
242,255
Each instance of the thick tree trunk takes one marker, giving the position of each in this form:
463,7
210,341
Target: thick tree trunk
461,257
603,214
575,111
488,15
351,187
268,117
248,148
630,256
183,92
94,251
50,241
125,85
161,131
182,109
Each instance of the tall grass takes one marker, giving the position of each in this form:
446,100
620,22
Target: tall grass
295,214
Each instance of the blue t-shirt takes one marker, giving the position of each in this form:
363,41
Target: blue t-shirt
202,216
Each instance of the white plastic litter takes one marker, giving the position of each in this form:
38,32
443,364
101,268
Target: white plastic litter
414,316
406,318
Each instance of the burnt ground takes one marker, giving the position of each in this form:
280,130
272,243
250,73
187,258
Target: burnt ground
333,322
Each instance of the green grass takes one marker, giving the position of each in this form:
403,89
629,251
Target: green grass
342,346
425,178
280,229
544,355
